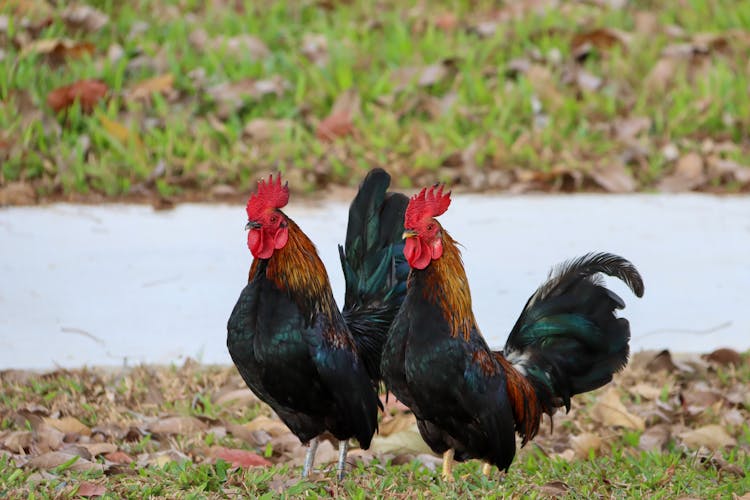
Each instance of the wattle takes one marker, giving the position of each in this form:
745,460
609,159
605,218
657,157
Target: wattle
417,253
260,245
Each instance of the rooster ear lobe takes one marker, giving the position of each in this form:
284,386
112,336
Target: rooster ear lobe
436,248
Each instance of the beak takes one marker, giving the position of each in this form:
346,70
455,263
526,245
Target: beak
252,225
409,233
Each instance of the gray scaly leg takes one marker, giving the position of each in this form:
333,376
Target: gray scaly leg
312,447
343,449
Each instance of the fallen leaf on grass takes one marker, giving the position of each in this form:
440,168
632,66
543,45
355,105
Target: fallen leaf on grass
120,132
162,84
423,76
613,177
661,75
264,129
237,457
315,48
727,170
340,122
88,489
85,17
662,361
68,425
53,459
58,50
600,38
176,425
554,489
17,441
396,423
610,411
17,193
87,92
654,438
118,457
724,357
271,426
584,444
240,45
232,95
447,21
688,174
406,441
713,437
99,448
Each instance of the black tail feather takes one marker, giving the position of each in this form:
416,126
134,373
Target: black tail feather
374,266
568,339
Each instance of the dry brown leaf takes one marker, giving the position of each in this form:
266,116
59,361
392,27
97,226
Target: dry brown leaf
727,170
340,122
422,76
584,444
97,449
610,411
687,175
177,425
554,489
240,46
447,21
396,423
315,48
87,92
406,441
713,437
662,361
163,84
88,489
613,177
654,438
17,193
118,457
53,459
85,18
271,426
237,397
57,50
264,129
47,437
724,356
17,441
68,425
120,132
237,457
600,38
646,22
646,391
661,75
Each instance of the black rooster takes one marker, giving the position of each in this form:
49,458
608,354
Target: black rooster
469,400
319,368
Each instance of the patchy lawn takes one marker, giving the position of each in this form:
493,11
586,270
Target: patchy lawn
184,99
667,427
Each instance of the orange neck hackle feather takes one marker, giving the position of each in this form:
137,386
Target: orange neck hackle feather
297,269
447,284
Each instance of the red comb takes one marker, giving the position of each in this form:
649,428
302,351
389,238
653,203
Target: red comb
427,203
270,194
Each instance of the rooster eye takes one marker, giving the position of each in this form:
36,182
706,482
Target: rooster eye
274,219
430,227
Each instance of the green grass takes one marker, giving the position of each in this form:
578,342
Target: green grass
200,147
622,475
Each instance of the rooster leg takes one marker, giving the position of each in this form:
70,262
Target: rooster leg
343,449
310,457
448,465
486,469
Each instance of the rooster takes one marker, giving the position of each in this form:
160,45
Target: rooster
469,400
316,366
